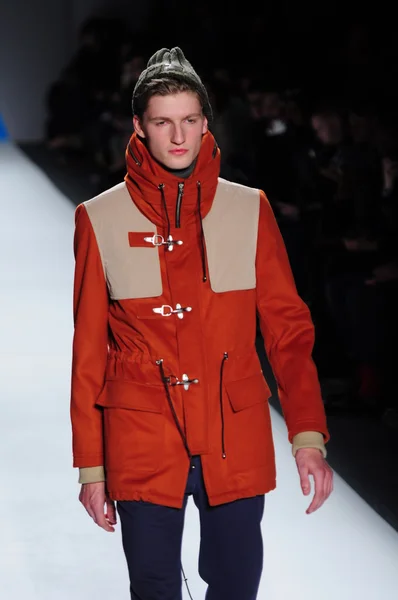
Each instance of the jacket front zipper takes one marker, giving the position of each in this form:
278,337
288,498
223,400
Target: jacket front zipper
179,202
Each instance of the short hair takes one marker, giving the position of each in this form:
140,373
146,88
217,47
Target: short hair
164,86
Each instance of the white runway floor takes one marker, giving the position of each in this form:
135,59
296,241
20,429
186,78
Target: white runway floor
49,547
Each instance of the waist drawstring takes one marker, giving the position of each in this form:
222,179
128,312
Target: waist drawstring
173,411
174,414
202,236
225,357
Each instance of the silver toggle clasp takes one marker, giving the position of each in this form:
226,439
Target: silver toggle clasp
167,311
181,309
171,243
186,382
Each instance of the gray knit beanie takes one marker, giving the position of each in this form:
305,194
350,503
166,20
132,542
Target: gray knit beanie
172,63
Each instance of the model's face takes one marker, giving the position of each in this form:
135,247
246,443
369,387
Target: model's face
173,126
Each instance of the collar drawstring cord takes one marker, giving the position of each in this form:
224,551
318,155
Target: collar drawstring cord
161,188
202,236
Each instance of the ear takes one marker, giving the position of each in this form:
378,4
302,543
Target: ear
205,125
137,126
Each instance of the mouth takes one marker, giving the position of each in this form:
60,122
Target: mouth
179,152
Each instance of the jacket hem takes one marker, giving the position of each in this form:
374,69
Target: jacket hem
217,499
173,502
145,496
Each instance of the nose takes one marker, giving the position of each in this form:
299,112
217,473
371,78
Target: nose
178,136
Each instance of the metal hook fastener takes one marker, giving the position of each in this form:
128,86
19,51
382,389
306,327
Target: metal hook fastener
156,240
167,311
162,310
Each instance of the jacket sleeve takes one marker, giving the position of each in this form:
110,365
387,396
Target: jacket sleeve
90,344
288,333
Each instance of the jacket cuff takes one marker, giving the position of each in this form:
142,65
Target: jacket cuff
91,474
309,439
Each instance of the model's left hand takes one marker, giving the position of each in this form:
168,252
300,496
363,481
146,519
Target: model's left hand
310,461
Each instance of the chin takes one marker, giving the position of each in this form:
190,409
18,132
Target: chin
178,162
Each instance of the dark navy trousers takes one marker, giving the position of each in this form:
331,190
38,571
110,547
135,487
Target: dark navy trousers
230,553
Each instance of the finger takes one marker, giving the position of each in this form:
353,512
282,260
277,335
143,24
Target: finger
86,504
330,488
319,496
111,511
304,479
326,487
101,520
90,511
91,508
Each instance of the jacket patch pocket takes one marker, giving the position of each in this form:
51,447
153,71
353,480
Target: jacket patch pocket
133,426
137,239
248,432
248,391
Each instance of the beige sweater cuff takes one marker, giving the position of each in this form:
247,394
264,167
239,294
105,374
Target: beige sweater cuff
309,439
91,474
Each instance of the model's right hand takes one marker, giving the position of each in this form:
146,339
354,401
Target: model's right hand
93,497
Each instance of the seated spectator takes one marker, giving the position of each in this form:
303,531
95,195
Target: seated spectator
230,126
276,138
361,278
67,112
116,123
77,101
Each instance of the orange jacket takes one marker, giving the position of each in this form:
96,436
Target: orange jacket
164,358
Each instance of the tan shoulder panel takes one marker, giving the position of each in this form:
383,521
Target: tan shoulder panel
131,271
231,231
